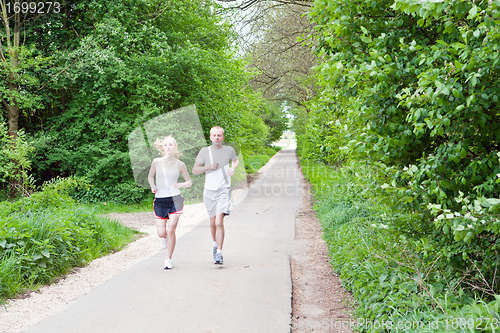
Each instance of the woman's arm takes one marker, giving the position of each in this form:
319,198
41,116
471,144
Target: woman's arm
183,169
151,174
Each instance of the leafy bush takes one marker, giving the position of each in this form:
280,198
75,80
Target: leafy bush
47,234
392,277
124,193
14,163
321,136
416,85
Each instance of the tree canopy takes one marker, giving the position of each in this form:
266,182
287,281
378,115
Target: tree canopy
97,69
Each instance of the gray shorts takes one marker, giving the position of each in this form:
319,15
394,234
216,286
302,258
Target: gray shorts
217,202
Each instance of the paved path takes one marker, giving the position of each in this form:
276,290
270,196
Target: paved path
251,292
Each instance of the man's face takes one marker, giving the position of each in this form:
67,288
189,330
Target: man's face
216,136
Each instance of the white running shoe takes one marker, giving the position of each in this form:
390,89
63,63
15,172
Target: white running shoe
168,264
163,243
218,259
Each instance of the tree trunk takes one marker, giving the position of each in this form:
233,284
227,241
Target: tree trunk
13,43
11,62
13,112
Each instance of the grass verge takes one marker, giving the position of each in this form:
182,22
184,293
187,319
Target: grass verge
114,207
253,163
47,234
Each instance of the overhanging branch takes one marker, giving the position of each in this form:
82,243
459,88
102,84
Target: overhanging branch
249,3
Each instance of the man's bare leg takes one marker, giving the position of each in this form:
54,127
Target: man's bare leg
217,230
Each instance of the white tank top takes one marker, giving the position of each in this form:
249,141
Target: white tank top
165,178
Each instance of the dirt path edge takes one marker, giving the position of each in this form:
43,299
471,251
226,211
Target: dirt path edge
319,302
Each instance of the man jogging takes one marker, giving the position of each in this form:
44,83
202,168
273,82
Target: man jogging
214,161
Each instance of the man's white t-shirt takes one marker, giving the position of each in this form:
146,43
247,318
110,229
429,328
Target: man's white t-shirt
215,179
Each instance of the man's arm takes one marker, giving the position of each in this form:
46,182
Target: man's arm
198,168
234,165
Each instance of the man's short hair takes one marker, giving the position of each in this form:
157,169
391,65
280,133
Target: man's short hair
217,127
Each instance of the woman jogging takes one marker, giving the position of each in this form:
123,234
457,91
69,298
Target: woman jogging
169,202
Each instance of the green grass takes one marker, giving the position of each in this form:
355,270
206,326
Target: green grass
114,207
46,235
392,278
254,162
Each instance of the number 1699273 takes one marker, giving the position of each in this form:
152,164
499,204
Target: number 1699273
32,7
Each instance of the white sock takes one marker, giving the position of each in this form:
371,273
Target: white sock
219,251
215,244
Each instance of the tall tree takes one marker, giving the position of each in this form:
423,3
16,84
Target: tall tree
18,61
273,36
279,55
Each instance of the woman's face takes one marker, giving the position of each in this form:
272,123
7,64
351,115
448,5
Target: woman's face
169,147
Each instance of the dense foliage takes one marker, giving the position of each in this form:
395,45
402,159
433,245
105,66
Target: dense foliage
413,88
15,166
395,287
105,68
45,235
407,109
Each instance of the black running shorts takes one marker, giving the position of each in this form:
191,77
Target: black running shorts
163,207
